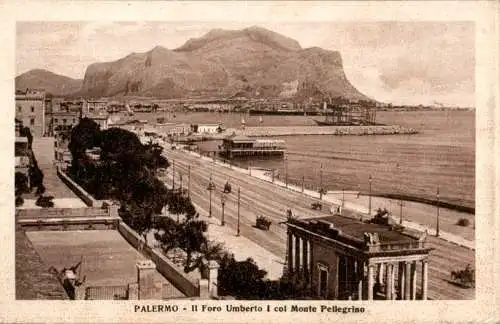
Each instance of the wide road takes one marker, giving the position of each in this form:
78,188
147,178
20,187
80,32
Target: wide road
258,197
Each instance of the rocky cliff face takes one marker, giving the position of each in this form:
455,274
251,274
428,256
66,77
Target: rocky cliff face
51,82
253,62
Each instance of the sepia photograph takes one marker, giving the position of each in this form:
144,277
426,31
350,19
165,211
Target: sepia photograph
193,165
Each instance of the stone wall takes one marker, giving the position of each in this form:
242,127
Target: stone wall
79,191
169,270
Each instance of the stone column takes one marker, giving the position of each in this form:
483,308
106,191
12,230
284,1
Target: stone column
290,253
213,273
297,254
388,281
393,281
370,282
407,281
380,274
360,272
401,280
305,263
424,279
414,280
133,291
149,288
311,263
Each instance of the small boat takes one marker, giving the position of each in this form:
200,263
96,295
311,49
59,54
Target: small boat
261,120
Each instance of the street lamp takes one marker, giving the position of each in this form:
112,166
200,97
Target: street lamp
238,225
210,188
173,174
223,203
286,173
189,181
370,196
321,181
437,216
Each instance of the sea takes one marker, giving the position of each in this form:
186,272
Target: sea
441,155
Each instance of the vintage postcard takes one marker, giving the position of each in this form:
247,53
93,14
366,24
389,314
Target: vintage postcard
250,162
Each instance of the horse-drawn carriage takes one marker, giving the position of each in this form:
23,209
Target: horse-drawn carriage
316,205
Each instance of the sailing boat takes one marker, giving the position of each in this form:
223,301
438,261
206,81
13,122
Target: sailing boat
261,120
130,112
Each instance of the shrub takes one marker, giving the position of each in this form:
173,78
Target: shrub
21,183
19,201
45,201
263,223
466,277
463,222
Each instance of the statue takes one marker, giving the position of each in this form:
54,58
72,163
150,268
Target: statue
371,238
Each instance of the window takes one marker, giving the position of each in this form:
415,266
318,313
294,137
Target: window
32,121
64,121
323,281
19,108
74,120
55,121
32,109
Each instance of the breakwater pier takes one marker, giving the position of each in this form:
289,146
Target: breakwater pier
263,131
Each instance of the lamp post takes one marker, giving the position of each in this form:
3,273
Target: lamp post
189,181
437,210
210,188
370,196
401,212
173,174
238,224
321,181
286,173
223,203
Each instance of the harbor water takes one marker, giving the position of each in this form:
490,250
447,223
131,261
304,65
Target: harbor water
442,154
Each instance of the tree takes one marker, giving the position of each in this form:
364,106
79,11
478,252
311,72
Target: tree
84,136
26,132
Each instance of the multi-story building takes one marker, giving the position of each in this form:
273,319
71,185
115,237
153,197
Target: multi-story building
103,120
30,110
94,106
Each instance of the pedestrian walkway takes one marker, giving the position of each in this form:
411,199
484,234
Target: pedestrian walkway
241,247
43,148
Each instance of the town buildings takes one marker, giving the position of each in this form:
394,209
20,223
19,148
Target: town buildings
30,110
343,258
206,128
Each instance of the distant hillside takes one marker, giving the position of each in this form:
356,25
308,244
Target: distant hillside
253,62
51,82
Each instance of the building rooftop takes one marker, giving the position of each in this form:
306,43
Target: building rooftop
239,138
360,234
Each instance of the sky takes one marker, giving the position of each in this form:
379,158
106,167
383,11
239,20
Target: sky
397,62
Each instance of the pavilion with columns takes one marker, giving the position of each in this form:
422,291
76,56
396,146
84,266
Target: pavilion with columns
344,258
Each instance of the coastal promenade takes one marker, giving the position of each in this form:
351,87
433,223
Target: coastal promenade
259,197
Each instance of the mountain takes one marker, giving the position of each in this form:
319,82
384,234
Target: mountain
53,83
253,62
